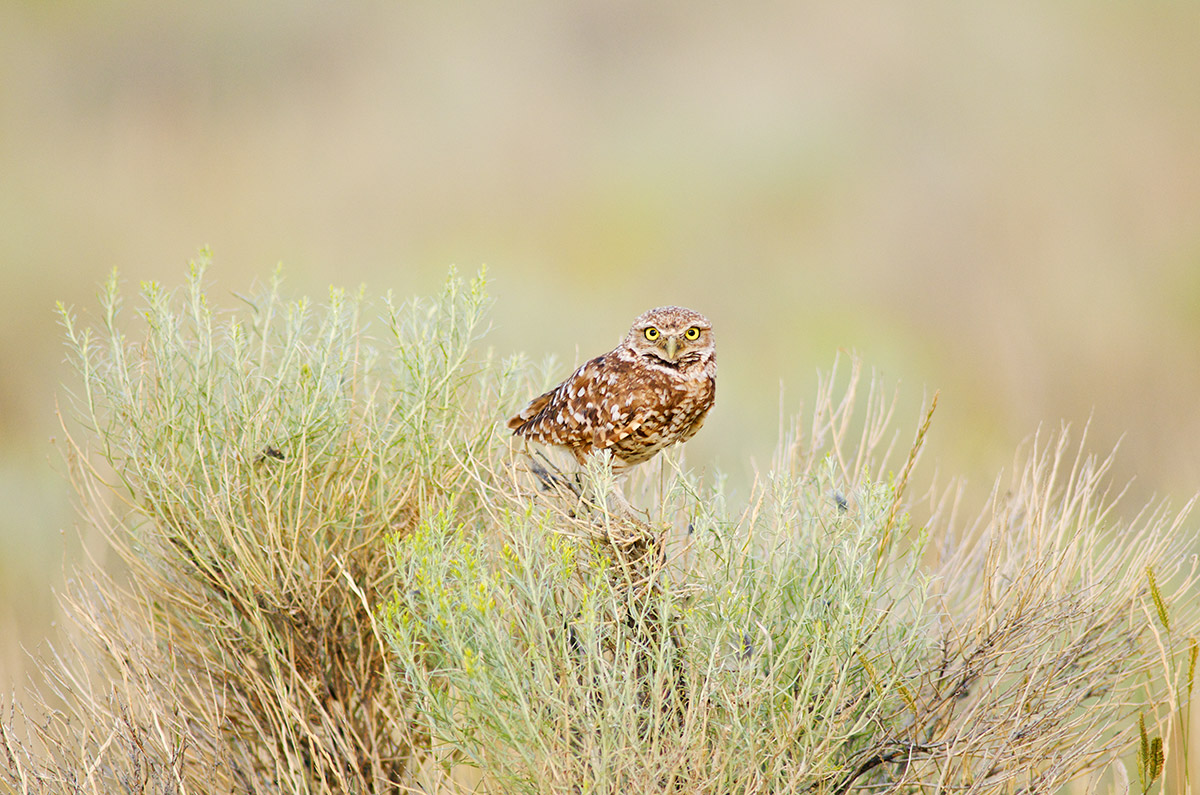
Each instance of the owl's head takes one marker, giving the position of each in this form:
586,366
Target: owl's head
673,334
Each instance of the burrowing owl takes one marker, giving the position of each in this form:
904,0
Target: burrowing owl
649,392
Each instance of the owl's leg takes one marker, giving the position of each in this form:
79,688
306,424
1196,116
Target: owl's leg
613,501
621,505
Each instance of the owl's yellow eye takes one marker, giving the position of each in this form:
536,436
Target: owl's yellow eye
692,334
652,333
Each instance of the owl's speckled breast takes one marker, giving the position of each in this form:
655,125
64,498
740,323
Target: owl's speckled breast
677,422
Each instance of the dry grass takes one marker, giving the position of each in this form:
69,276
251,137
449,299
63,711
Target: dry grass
339,578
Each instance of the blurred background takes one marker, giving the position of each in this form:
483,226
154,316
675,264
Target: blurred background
1000,201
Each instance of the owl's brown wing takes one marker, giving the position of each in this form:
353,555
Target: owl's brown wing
532,410
598,405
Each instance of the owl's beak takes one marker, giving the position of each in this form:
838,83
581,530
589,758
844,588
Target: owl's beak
672,346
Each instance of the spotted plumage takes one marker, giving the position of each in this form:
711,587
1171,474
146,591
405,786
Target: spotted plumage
653,390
